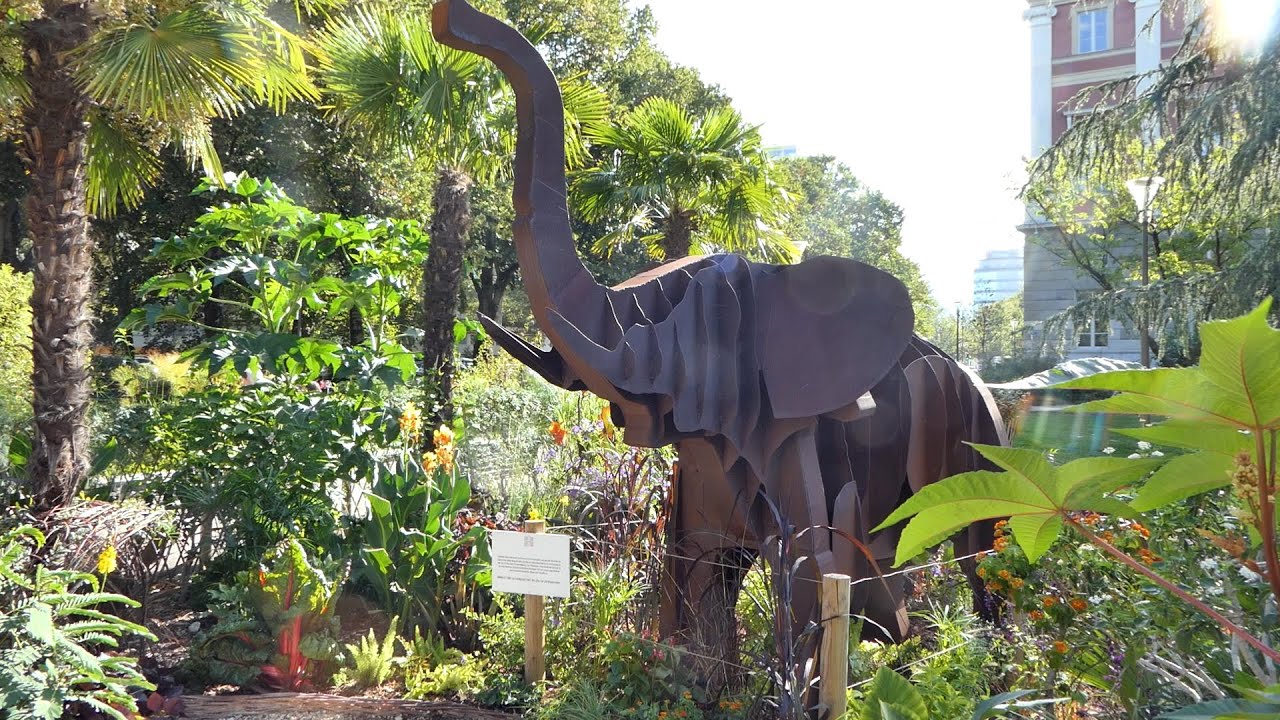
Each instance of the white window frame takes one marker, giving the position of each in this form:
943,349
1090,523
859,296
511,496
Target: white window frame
1095,334
1108,14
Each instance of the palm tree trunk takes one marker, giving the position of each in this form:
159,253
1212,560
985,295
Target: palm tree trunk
678,239
442,287
56,127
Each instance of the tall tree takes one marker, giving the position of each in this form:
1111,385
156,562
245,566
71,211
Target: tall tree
835,214
101,87
681,183
388,77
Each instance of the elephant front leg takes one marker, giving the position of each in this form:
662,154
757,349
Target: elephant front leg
799,553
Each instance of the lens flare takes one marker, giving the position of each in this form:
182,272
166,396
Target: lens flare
1246,25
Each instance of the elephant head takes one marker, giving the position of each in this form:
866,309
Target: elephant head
701,345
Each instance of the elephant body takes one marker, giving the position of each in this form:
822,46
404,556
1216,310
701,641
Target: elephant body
801,404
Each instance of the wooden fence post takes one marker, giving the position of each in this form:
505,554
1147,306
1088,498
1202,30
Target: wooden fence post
535,659
834,660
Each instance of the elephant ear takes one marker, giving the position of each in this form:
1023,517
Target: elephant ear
833,327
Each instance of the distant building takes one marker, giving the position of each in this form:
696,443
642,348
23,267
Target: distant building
782,151
1076,44
998,276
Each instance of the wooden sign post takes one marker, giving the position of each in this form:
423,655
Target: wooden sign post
535,658
535,564
834,661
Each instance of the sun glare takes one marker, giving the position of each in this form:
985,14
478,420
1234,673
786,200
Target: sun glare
1246,24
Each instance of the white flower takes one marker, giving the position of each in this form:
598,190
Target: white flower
1144,445
1135,456
1209,564
1108,450
1156,453
1249,575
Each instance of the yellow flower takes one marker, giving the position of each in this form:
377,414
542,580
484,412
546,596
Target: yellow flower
430,462
535,514
443,437
411,422
564,499
107,560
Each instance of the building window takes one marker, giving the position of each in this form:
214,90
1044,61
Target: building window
1093,31
1095,331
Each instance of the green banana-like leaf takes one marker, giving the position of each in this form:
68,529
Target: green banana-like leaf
892,696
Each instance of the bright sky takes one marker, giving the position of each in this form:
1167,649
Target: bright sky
926,100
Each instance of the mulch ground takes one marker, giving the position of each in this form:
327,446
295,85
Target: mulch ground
313,706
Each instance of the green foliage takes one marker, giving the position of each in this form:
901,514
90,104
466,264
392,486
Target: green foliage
277,624
55,641
262,462
271,267
372,663
1033,493
15,353
892,697
416,557
681,184
835,214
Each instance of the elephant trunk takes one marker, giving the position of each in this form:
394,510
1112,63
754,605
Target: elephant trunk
553,274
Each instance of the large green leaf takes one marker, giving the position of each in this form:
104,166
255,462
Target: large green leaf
1183,393
1034,494
1226,710
891,690
1193,436
1035,533
1183,477
960,500
1241,357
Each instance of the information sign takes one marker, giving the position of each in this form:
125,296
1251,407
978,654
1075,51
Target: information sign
530,563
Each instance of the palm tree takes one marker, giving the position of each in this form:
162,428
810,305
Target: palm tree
102,87
387,77
683,184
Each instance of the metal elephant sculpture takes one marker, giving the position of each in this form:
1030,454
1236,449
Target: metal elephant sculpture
800,401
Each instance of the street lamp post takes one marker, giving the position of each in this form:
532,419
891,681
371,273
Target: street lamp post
1144,191
957,332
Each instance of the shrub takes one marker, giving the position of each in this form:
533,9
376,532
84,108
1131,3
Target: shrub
277,624
15,354
55,640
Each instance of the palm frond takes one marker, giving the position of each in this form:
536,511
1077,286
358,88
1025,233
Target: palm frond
121,166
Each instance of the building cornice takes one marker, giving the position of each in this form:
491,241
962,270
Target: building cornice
1091,77
1039,13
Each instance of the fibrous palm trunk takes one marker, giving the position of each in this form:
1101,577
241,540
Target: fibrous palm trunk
442,286
56,128
678,238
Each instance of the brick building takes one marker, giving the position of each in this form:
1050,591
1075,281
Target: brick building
1076,44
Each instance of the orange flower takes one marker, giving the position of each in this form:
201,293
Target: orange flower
443,437
1017,583
1035,615
430,462
444,454
1060,647
1079,604
982,572
410,422
1005,574
1148,557
1049,601
558,433
1000,544
1001,525
682,713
